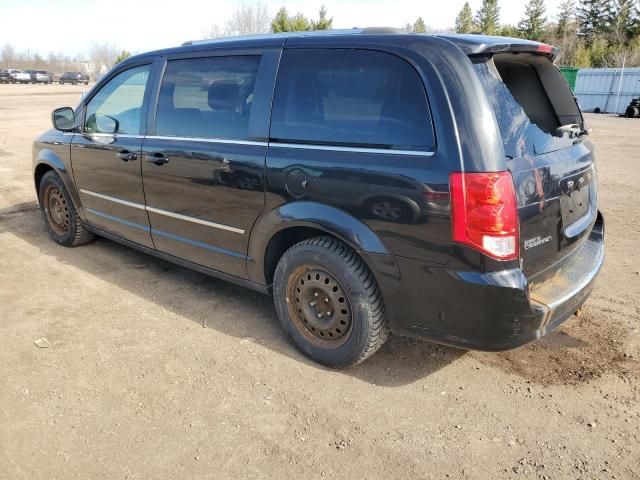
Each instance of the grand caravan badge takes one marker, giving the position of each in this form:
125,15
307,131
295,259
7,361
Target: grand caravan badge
536,242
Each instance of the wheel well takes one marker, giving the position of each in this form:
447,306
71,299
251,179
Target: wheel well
39,173
281,242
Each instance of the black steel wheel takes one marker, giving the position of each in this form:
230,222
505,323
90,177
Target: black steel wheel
60,215
56,209
329,303
321,310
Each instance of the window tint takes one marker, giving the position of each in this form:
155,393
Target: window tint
120,100
350,97
207,97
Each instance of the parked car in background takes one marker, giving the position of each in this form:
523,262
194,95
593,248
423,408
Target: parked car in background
74,78
8,75
55,77
40,76
26,76
371,181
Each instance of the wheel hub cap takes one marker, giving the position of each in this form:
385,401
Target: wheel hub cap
319,306
57,210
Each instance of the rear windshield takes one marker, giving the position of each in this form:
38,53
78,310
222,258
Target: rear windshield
534,107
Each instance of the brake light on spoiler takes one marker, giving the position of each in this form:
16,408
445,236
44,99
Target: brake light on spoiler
544,48
484,213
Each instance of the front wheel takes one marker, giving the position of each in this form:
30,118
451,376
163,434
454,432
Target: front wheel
59,213
329,303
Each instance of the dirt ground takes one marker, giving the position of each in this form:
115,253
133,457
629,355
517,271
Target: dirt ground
133,387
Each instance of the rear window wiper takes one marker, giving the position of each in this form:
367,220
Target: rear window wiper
573,129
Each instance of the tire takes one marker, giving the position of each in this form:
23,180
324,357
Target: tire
59,213
354,326
86,83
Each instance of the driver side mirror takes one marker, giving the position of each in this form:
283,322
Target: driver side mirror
63,119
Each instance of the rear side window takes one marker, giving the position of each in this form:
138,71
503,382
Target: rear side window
350,98
207,97
534,107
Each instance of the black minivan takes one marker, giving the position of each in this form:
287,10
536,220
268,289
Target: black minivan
372,181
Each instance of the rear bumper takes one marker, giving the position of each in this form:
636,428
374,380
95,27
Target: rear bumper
491,311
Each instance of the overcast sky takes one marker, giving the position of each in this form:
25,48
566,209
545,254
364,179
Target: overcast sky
139,25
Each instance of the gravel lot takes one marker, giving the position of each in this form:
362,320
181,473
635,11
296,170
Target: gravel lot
132,385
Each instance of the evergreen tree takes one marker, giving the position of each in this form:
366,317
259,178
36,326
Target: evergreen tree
123,55
464,20
534,21
624,20
594,18
566,18
323,23
419,26
298,23
488,17
280,23
509,31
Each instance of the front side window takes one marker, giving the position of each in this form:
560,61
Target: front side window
350,97
117,107
207,97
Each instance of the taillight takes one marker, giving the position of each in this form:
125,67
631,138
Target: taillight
544,48
484,213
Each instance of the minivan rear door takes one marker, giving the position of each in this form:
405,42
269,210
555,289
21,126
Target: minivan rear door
551,161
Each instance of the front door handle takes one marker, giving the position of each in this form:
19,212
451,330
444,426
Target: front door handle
156,158
126,155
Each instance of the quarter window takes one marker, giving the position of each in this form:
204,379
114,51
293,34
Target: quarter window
117,107
350,97
207,97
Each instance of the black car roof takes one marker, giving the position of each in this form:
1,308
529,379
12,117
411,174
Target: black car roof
470,44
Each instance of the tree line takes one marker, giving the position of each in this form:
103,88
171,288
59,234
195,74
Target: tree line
589,33
98,58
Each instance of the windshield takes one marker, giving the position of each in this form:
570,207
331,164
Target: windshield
535,110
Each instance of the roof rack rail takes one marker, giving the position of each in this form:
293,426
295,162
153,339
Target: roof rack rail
355,30
382,31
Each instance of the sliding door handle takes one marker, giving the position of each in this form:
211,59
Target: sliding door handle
126,155
156,158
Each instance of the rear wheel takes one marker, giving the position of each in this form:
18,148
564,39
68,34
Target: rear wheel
59,213
329,303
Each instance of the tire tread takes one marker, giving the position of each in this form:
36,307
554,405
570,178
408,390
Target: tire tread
80,235
379,331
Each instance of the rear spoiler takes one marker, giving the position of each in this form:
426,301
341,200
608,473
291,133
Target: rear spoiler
473,45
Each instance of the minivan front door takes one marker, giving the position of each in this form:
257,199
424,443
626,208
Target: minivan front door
203,166
106,157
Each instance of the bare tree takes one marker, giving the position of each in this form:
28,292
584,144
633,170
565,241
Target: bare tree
215,31
8,54
247,19
102,57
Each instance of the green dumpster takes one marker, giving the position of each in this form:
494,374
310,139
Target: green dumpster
570,74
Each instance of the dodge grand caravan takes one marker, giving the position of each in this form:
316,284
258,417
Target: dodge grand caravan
373,182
